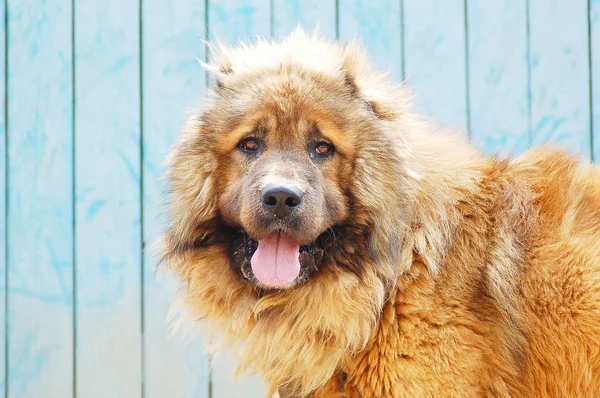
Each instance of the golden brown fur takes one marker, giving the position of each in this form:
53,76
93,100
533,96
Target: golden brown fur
453,274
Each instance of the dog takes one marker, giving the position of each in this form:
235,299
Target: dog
343,245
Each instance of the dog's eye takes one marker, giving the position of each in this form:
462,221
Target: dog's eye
250,144
323,149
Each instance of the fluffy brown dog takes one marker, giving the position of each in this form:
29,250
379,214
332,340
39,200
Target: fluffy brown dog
344,245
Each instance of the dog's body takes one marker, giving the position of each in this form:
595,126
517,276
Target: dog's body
515,307
344,245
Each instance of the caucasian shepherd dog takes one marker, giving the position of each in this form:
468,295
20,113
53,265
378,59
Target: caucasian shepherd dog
344,246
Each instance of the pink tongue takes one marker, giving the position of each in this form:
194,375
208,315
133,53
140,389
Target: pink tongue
275,262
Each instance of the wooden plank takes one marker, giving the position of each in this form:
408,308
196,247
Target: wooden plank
309,14
378,25
40,200
434,58
595,75
498,83
3,196
560,111
231,22
173,80
108,227
234,20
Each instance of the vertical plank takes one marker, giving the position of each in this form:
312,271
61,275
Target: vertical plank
309,14
234,20
40,205
230,22
172,81
595,75
434,58
378,25
3,196
498,82
560,111
108,230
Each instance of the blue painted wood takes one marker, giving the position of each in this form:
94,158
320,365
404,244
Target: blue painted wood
173,80
230,22
108,227
559,61
498,82
40,224
309,14
378,26
434,58
595,75
110,284
3,195
234,20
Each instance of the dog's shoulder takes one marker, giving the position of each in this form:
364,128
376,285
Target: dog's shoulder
565,188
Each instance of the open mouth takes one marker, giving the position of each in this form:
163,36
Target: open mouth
277,262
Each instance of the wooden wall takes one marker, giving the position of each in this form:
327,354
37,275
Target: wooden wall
94,92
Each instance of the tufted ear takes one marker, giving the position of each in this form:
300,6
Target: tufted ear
387,101
191,200
218,64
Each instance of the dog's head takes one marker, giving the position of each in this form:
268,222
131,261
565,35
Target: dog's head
286,170
288,203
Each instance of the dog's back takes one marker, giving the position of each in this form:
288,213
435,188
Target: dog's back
561,279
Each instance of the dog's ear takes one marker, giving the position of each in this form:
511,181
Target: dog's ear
387,101
219,63
191,204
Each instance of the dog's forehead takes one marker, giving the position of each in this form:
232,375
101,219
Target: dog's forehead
290,104
289,130
288,107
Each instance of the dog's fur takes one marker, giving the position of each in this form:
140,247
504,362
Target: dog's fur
449,273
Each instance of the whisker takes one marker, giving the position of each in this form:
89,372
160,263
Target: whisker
332,233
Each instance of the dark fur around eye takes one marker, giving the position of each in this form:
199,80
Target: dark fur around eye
251,145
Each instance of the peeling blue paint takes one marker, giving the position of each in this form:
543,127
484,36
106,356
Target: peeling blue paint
95,207
131,169
121,63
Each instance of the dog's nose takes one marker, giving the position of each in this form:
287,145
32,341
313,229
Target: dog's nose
281,200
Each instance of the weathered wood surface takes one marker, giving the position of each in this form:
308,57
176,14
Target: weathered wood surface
94,94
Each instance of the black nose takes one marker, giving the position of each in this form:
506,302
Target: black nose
281,200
